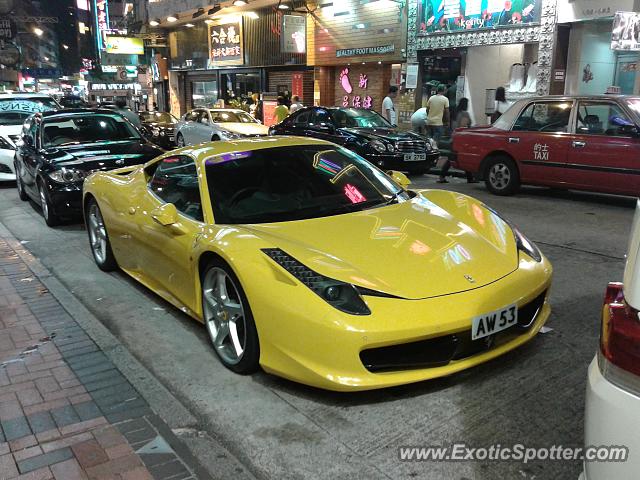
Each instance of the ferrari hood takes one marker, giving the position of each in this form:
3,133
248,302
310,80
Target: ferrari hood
246,128
436,244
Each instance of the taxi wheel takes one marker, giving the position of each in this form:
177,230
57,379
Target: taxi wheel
228,318
501,176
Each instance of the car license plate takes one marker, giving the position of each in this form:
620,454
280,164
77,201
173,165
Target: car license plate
493,322
415,157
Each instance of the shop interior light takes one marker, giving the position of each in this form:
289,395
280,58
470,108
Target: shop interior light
189,25
198,13
252,15
172,18
38,31
155,22
240,3
282,5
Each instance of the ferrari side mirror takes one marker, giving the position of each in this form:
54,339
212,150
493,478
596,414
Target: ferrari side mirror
400,178
166,214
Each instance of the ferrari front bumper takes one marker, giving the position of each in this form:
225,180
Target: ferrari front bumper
324,349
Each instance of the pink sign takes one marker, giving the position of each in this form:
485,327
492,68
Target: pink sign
355,101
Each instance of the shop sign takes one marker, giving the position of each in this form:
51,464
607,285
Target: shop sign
114,86
297,85
444,16
412,75
357,52
363,100
558,75
577,10
625,34
225,43
101,9
294,33
42,72
124,45
7,29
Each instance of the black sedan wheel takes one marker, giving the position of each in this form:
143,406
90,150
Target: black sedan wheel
228,318
47,209
180,141
22,195
501,176
98,238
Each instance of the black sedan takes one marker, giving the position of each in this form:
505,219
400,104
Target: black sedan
365,132
59,149
160,128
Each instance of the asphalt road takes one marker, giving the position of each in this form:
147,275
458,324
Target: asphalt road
533,396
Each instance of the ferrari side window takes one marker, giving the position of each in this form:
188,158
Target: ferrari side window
176,181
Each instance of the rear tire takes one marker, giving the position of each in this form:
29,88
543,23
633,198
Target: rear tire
50,217
228,319
501,176
215,138
99,238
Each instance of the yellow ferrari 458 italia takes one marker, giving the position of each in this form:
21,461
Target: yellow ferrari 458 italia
301,257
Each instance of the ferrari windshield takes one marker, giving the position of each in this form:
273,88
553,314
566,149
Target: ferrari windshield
88,128
294,183
14,111
359,118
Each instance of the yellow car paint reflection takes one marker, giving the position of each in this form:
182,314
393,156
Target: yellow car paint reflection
424,267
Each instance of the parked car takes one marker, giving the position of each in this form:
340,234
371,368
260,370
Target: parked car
213,124
613,386
59,149
366,133
15,108
572,142
73,101
160,128
278,245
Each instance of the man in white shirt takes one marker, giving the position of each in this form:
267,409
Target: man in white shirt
388,107
295,104
419,120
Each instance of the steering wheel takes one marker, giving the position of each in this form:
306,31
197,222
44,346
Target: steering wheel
242,193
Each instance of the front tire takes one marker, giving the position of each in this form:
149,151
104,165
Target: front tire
228,318
49,215
22,194
501,176
99,238
180,141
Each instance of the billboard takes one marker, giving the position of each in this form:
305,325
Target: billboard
294,33
124,45
625,34
443,16
225,43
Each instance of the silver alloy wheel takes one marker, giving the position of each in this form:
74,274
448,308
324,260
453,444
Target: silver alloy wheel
43,202
224,315
499,176
180,141
19,185
97,233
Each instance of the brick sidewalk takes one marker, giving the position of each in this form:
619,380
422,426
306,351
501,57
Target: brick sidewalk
66,412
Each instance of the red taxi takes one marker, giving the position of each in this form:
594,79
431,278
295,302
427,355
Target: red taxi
573,142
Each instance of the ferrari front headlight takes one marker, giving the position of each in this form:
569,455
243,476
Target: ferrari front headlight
525,245
340,295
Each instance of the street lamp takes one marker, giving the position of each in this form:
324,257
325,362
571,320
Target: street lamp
38,31
239,3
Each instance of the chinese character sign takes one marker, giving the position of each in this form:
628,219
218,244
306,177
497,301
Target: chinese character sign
101,9
225,44
353,98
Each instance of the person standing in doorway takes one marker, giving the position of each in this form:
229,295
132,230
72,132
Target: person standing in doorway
281,111
295,104
501,105
437,113
388,106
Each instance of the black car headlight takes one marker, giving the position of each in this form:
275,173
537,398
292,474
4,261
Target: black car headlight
380,146
525,245
343,296
155,132
67,175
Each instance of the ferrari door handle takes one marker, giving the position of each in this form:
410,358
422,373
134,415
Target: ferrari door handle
577,144
514,140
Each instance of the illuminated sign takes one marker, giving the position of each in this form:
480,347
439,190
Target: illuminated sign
356,101
225,43
443,16
101,9
356,52
125,45
115,86
82,4
294,34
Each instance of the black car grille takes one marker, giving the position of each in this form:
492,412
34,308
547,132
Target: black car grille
439,351
411,146
169,131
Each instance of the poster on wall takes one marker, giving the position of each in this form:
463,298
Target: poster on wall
625,34
225,43
294,33
442,16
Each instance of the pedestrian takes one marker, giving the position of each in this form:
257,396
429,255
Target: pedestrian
388,107
419,120
295,105
127,113
501,105
437,113
463,120
281,111
452,93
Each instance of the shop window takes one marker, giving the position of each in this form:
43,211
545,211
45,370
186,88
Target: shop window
176,181
544,117
205,94
602,118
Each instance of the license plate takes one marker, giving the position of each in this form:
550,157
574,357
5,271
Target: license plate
415,157
493,322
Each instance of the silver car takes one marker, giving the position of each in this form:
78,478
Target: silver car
213,124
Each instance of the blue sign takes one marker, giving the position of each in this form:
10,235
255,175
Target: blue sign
42,72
